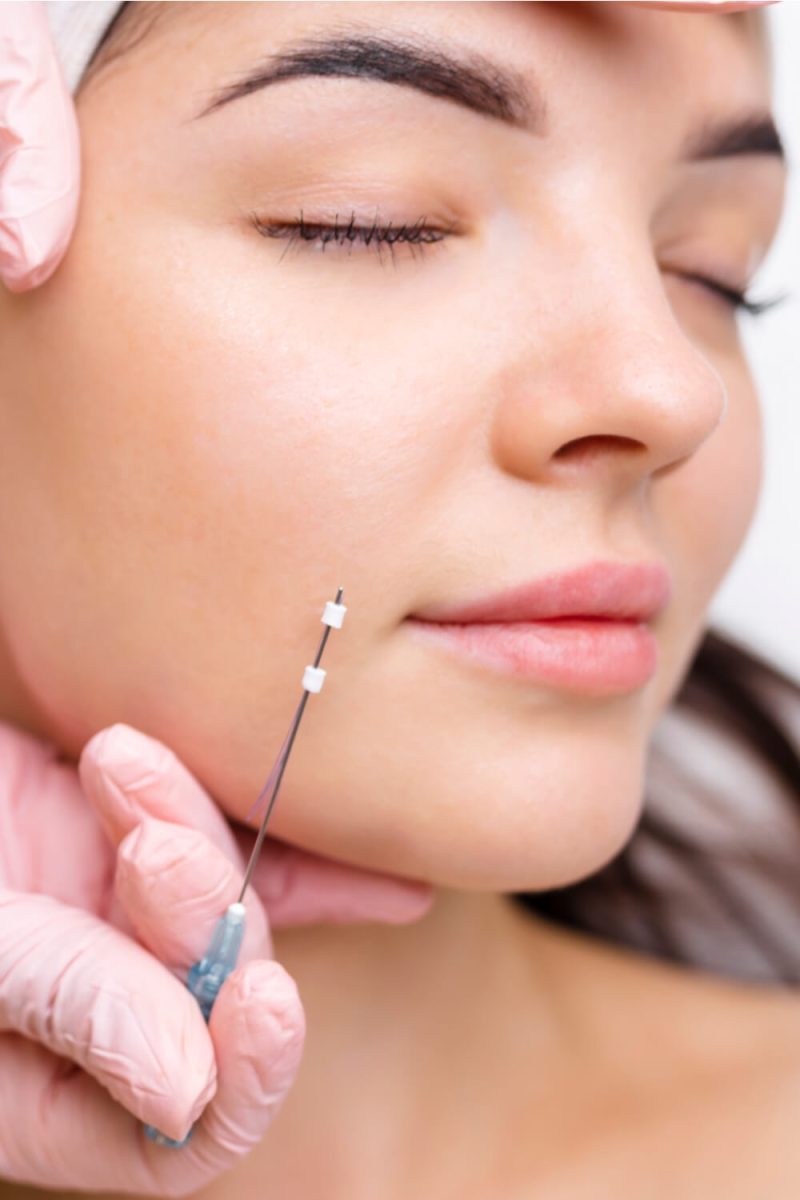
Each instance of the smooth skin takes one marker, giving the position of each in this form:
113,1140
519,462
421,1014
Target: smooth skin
201,452
149,856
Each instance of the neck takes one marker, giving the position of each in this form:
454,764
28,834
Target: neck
415,1034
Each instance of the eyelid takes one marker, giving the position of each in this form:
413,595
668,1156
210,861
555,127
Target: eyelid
373,234
737,298
420,233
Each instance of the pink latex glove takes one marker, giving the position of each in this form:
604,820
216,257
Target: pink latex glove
111,880
39,150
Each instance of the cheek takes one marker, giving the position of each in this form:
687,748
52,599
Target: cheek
199,478
703,509
721,488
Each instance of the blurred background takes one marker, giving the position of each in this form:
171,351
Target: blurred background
759,600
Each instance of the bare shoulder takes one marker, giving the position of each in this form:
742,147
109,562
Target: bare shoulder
672,1014
747,1107
699,1086
727,1132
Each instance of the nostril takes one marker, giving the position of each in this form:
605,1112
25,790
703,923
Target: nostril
585,449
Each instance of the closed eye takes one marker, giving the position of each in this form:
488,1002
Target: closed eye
740,301
346,233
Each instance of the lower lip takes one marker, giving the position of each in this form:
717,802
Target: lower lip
577,653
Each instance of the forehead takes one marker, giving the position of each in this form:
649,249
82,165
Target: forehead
512,30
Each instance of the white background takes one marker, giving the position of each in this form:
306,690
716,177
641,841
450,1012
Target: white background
759,599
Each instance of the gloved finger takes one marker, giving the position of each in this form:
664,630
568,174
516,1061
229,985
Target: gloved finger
74,1137
85,991
174,885
258,1028
298,887
42,808
71,1135
128,775
39,150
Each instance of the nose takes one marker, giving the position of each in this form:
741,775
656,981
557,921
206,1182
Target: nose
609,386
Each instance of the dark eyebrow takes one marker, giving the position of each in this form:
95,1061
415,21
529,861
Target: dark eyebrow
468,79
753,133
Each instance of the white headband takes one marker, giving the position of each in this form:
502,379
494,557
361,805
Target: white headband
77,27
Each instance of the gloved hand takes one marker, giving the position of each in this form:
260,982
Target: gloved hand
112,878
39,150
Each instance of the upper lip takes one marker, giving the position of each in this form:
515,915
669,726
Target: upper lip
614,590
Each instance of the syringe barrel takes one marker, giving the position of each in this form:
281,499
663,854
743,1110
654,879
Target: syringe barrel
207,976
205,980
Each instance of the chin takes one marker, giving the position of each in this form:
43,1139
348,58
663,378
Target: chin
554,824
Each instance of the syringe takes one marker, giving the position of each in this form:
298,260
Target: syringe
207,976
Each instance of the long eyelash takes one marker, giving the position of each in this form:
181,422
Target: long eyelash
376,235
740,300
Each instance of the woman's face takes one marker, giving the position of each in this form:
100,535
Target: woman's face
206,430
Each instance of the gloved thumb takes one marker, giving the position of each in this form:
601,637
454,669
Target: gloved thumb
39,150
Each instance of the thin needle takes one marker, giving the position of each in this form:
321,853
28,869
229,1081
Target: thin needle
295,725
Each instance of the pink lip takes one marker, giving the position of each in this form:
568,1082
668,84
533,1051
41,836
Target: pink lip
582,630
627,591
